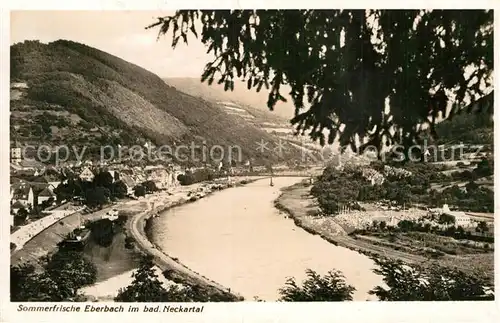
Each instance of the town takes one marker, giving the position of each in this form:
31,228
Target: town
41,194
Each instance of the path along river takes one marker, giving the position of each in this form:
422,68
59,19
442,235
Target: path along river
239,239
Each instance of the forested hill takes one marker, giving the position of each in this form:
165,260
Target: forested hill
69,93
474,128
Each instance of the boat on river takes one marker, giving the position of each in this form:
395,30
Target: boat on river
77,239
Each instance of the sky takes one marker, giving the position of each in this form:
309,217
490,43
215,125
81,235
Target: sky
121,33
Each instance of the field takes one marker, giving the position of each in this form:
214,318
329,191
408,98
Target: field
411,247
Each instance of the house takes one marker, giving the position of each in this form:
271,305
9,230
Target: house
15,155
50,181
374,177
127,171
24,193
114,174
461,218
18,85
389,220
127,180
31,164
14,208
87,175
159,175
395,171
45,195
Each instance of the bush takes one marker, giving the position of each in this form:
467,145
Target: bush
150,186
435,283
64,274
331,287
129,243
139,190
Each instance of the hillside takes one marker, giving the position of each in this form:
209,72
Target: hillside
475,128
251,106
241,95
68,93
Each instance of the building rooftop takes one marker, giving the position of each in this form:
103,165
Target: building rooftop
18,205
457,214
46,193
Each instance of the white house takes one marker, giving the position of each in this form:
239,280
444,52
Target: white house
87,175
18,85
15,155
461,219
129,182
114,174
159,176
24,194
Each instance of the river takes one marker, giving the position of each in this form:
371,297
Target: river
239,239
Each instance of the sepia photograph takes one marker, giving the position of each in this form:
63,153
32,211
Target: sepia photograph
195,156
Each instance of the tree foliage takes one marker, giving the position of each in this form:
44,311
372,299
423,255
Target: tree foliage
146,287
485,167
334,189
21,216
119,189
97,196
60,280
71,269
343,66
139,190
103,179
412,283
150,186
329,288
446,219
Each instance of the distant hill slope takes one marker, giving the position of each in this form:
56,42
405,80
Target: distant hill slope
240,95
69,93
252,106
475,128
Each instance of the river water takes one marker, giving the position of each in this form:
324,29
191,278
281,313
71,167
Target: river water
239,239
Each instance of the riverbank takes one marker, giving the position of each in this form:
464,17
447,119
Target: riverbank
138,228
297,202
46,241
26,232
115,263
237,238
301,207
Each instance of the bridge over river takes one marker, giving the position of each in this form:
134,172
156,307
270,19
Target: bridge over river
312,172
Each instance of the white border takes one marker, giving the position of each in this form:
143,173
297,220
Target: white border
248,311
246,4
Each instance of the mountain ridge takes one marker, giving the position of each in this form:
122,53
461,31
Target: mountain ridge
129,104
